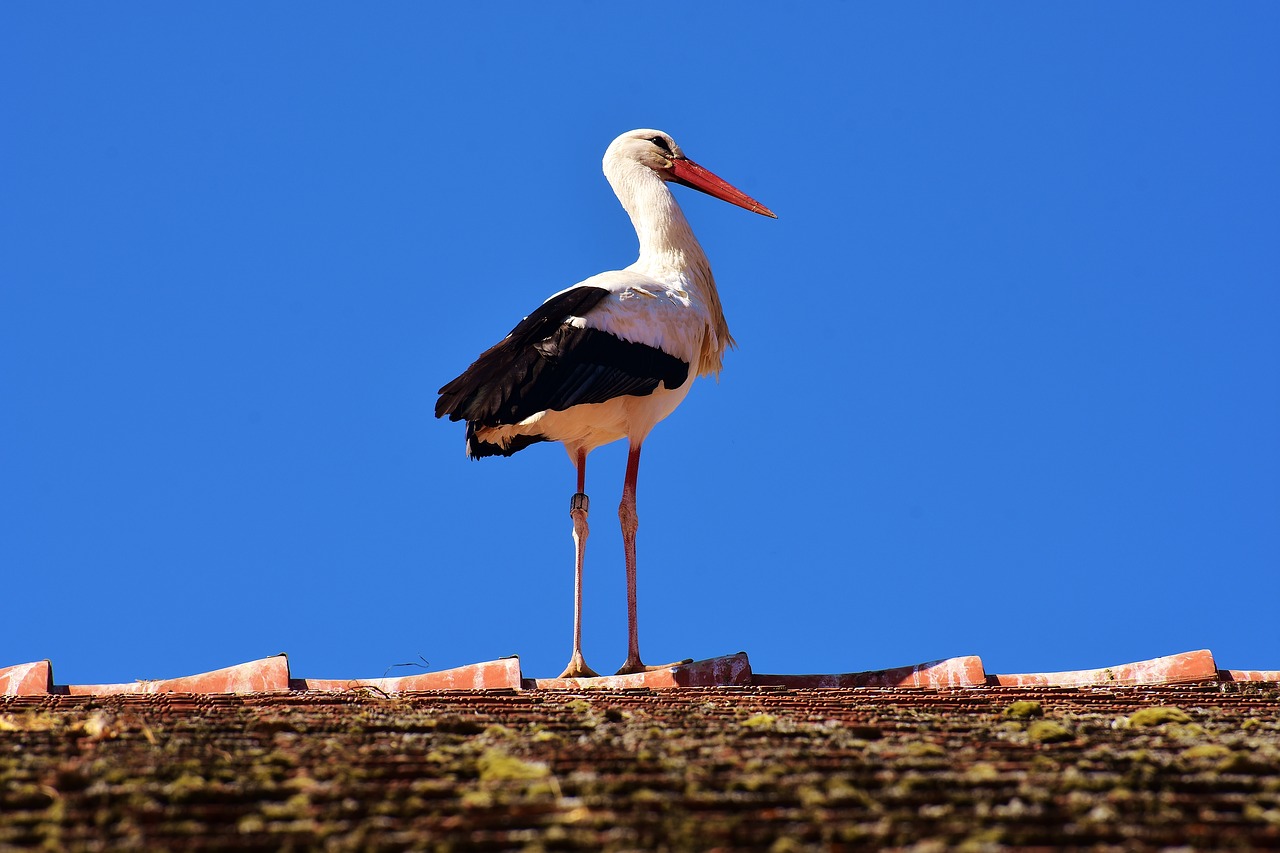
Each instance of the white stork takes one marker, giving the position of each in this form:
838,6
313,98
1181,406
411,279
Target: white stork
610,356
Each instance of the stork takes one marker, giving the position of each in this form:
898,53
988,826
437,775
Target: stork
611,356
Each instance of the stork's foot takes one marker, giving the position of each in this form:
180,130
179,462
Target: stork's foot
578,668
636,665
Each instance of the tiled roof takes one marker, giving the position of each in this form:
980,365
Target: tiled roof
730,768
710,755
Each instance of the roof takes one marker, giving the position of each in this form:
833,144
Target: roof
939,754
272,675
753,767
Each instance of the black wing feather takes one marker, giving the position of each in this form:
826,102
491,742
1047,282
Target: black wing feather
479,449
545,363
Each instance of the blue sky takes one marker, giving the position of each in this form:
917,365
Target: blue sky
1008,381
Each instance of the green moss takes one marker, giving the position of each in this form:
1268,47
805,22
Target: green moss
784,844
752,782
841,790
982,840
1244,762
1185,731
296,807
497,766
32,721
476,799
184,786
1048,731
98,726
982,772
924,749
301,782
1206,752
1158,716
251,824
453,724
1023,710
766,765
760,722
578,706
810,796
1256,813
280,759
547,787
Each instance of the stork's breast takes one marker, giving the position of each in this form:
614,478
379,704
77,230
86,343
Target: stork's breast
662,318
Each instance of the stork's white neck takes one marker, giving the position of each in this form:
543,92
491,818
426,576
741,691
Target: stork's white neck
668,248
666,240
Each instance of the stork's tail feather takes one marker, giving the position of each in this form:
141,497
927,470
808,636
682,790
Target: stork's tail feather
478,448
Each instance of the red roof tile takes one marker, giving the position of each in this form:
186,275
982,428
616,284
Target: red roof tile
268,675
491,675
1249,674
26,678
950,672
1185,668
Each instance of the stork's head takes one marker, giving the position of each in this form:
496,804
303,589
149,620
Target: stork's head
658,151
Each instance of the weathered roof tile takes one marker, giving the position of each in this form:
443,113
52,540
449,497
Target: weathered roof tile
1184,668
26,678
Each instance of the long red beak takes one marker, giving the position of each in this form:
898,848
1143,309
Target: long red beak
692,175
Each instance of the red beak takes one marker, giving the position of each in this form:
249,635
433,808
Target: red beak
692,175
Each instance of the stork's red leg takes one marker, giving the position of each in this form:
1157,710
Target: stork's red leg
578,507
630,523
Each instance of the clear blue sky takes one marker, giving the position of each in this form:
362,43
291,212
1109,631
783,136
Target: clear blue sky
1008,381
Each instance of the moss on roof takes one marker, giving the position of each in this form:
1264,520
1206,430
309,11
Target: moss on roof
732,768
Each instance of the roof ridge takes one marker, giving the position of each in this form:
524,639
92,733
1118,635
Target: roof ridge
272,675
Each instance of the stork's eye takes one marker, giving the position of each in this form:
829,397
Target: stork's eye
661,143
